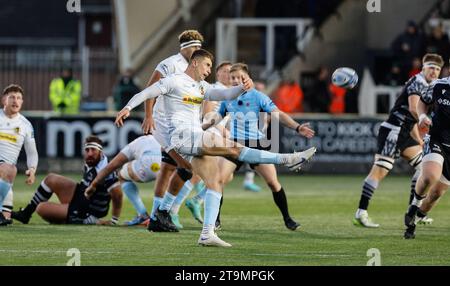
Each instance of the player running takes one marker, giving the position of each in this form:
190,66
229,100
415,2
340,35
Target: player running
15,131
399,136
183,95
435,175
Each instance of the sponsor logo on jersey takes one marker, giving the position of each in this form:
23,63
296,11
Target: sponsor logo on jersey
194,100
8,137
443,101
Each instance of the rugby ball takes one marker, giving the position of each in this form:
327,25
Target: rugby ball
345,77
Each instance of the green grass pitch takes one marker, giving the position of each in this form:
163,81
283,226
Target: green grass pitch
324,205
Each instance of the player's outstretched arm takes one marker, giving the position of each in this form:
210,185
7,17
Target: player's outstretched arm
219,94
148,93
148,124
302,129
115,164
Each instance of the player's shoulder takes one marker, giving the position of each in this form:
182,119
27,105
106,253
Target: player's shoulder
419,79
441,81
24,121
172,60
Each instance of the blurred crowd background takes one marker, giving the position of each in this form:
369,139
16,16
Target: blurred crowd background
104,54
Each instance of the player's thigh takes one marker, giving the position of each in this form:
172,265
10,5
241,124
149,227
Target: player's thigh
269,174
207,168
226,169
411,152
216,145
52,212
432,165
62,186
8,172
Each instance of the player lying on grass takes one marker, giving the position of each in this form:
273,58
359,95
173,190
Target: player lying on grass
139,162
74,207
399,136
15,131
435,176
183,95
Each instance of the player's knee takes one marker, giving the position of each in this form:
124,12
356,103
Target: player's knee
51,179
384,163
235,152
430,179
184,174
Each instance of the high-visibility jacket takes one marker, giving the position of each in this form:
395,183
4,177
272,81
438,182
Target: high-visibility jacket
65,99
337,105
289,98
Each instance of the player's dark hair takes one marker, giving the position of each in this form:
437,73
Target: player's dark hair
201,53
222,64
190,35
93,139
435,58
13,88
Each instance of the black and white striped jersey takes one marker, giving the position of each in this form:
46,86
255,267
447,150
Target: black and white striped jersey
399,114
99,202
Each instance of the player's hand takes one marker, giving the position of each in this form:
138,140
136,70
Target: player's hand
30,176
89,191
424,122
121,116
104,222
247,83
148,125
305,130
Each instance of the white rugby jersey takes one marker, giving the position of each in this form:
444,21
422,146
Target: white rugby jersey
15,133
183,97
174,64
142,145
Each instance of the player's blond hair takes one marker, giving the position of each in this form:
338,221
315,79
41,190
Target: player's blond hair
190,35
222,64
240,67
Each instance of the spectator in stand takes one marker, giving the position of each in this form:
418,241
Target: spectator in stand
337,104
438,43
319,96
65,93
394,77
407,46
289,97
125,89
